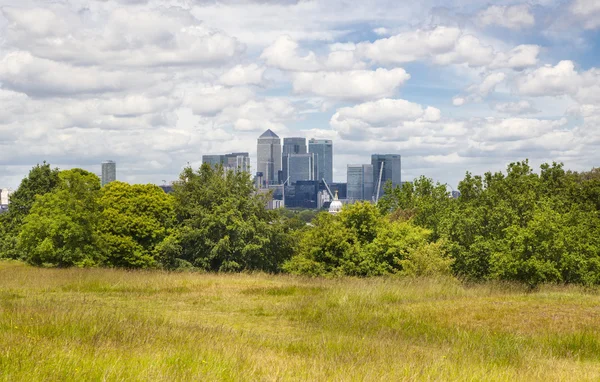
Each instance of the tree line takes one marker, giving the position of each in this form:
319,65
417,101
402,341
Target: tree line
517,226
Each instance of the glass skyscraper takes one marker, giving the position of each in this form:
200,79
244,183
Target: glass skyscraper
299,167
293,145
360,182
323,150
268,158
392,170
233,161
109,172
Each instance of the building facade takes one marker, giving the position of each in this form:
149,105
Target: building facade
392,170
233,161
360,182
323,150
293,145
299,167
268,158
109,172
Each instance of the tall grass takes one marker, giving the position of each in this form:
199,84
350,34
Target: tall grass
101,324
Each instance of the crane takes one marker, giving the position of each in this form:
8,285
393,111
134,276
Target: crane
379,183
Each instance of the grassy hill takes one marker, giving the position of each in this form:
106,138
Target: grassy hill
100,324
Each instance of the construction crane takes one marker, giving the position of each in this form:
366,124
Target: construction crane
328,189
379,183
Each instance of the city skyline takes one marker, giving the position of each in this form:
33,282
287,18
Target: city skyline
154,85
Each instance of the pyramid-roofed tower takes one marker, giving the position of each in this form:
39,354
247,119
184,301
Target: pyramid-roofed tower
269,134
268,158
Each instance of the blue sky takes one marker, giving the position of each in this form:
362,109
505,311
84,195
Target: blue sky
154,84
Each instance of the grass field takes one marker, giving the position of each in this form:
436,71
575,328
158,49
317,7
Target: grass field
115,325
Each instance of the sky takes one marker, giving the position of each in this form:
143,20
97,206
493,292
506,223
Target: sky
452,86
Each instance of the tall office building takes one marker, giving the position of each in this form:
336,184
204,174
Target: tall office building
268,158
323,150
360,182
233,161
293,145
299,167
392,165
109,172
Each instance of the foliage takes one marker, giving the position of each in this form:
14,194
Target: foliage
40,180
60,229
134,219
360,241
222,224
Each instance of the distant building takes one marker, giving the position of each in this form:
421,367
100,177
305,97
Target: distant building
4,199
360,182
323,150
268,158
167,188
109,172
291,146
299,167
456,194
303,194
233,161
392,170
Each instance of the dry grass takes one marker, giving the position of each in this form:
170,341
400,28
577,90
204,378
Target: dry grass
115,325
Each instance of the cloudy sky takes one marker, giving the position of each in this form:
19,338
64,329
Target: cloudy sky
155,84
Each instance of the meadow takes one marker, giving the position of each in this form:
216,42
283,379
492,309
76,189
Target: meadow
117,325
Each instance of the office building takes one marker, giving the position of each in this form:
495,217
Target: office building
360,182
299,167
109,172
233,161
268,158
392,165
323,150
294,145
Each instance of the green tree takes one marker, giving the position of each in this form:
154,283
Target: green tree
60,229
133,220
223,224
40,180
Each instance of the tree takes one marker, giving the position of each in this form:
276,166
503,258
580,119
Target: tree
133,220
40,180
223,224
60,229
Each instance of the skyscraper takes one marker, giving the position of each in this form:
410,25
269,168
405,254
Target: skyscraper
360,181
109,172
268,157
233,161
323,150
392,165
299,167
293,145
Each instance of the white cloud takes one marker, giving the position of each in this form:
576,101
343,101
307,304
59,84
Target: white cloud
445,45
518,58
513,129
458,101
284,54
488,84
211,100
562,79
386,119
34,76
587,11
351,85
512,17
243,75
516,108
129,37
